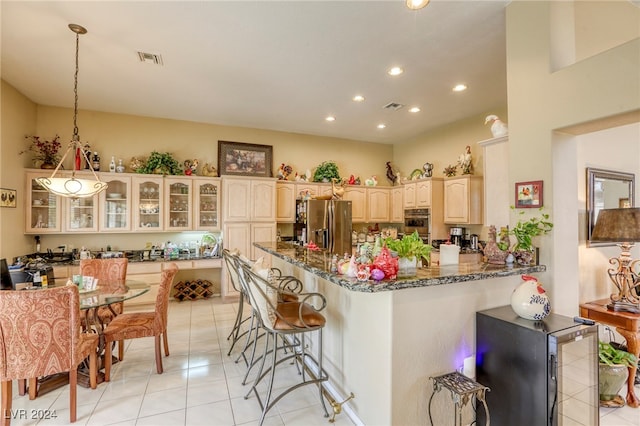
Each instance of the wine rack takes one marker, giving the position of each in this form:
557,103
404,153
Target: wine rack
191,290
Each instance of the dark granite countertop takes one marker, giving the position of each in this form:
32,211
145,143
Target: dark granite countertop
318,263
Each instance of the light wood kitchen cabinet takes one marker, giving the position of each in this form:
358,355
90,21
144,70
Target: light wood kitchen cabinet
178,201
150,273
396,205
43,210
148,203
358,197
249,212
409,195
463,200
249,199
423,194
115,203
378,204
207,204
286,201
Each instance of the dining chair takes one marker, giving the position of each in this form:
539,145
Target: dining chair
106,270
291,321
133,325
40,335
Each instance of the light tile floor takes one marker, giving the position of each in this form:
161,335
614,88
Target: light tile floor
201,385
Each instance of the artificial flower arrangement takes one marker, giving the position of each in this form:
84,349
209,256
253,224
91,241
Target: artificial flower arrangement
44,151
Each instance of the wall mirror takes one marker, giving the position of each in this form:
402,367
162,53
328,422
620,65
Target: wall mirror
606,189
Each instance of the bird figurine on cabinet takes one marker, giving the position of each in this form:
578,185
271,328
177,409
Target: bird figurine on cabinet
209,170
498,128
392,175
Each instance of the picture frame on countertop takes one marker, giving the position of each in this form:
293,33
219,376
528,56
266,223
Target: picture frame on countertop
529,195
8,197
245,159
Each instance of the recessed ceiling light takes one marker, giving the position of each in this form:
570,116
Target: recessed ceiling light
358,98
460,87
381,126
414,109
330,118
395,71
416,4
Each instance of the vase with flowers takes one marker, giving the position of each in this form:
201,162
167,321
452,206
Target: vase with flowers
45,151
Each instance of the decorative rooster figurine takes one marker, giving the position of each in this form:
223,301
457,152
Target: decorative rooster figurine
498,128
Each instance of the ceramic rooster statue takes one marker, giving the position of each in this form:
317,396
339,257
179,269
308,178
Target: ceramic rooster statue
392,175
498,128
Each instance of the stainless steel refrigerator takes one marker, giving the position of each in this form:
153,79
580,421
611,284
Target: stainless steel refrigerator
329,225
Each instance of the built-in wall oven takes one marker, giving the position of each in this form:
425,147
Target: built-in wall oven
417,220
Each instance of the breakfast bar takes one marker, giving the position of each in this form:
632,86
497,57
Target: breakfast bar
384,340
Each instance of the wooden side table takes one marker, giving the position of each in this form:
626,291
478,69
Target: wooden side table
628,325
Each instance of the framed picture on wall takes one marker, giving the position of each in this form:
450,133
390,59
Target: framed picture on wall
244,159
8,197
529,194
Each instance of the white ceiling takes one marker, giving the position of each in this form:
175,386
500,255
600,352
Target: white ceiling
264,64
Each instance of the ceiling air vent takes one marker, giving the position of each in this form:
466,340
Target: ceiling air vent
393,105
150,58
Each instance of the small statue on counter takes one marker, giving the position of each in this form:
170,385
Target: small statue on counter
372,181
209,170
190,166
428,170
498,128
284,171
465,161
492,252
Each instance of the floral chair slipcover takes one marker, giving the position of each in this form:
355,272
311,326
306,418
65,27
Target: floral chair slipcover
106,270
39,336
135,325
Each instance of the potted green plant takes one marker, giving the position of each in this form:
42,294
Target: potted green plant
525,231
613,369
326,172
161,163
409,249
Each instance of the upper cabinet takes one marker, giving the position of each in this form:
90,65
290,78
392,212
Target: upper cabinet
178,201
207,204
148,203
463,200
249,199
115,204
286,201
81,214
423,194
358,197
43,210
396,206
378,204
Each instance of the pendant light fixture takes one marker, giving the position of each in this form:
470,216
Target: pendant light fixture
416,4
73,187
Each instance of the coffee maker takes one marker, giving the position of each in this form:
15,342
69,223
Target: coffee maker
456,235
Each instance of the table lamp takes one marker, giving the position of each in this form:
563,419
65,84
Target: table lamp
621,226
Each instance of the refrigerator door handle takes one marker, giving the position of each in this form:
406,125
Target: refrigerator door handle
332,226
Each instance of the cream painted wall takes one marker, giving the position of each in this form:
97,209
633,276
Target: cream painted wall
18,115
541,101
594,150
125,136
443,145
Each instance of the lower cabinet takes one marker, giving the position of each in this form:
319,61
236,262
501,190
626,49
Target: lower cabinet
241,236
150,273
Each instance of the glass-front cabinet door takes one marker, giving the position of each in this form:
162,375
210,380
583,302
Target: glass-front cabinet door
207,194
178,198
81,214
43,209
148,208
115,204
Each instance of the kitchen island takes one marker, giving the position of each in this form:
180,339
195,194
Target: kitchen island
383,341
